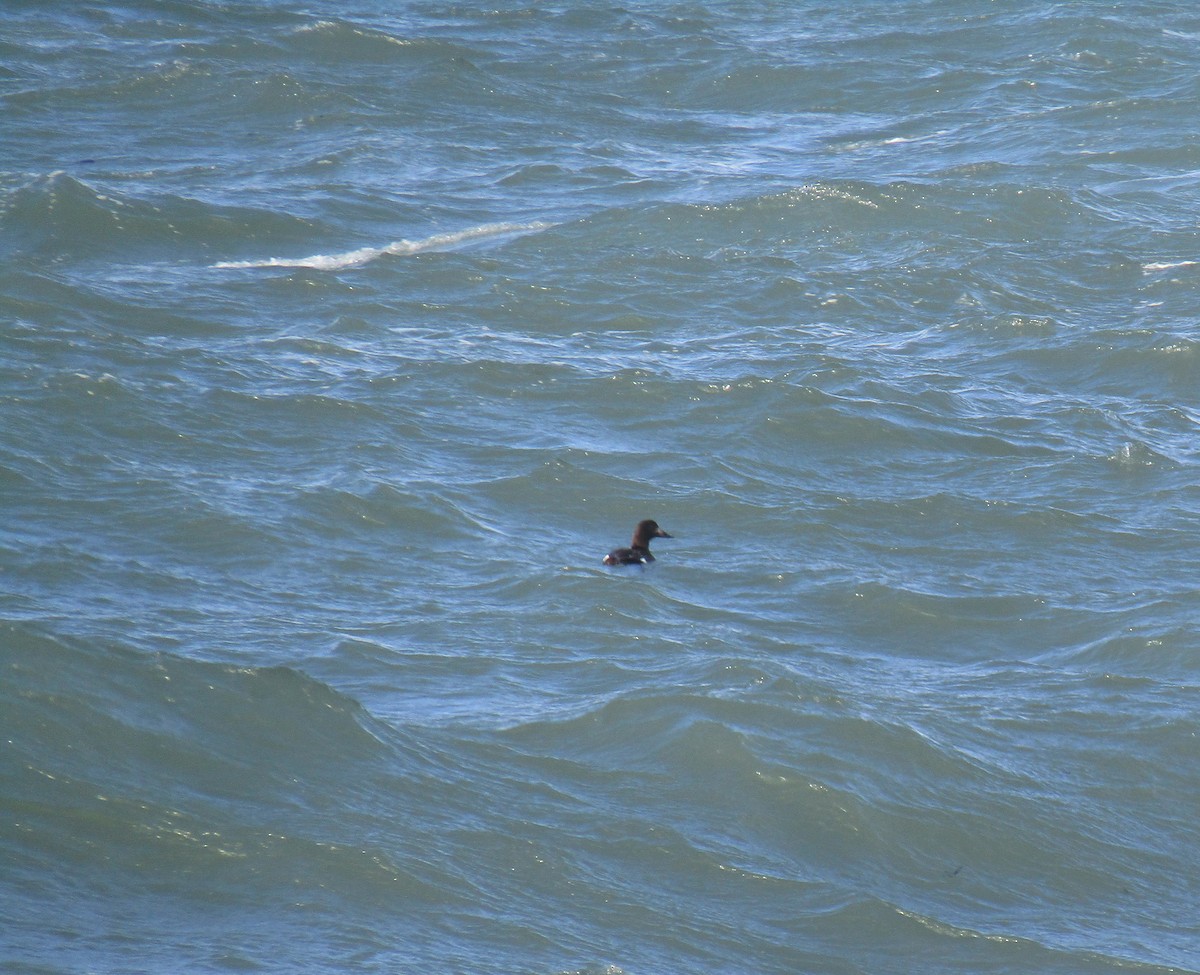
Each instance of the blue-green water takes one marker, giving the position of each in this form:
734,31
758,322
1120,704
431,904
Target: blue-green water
339,343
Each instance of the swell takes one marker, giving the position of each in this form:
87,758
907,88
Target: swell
939,832
66,215
243,778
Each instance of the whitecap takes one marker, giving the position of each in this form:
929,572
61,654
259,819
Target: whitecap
364,255
1167,265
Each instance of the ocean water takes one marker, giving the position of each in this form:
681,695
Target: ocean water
340,341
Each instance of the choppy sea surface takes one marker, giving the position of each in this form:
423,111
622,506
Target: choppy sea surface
340,341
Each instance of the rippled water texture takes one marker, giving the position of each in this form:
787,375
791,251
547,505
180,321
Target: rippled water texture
339,343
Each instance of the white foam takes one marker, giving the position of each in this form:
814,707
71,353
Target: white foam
364,255
1168,265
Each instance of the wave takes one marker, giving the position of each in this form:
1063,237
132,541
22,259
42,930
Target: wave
364,255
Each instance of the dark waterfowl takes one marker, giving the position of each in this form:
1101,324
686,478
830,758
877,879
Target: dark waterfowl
638,552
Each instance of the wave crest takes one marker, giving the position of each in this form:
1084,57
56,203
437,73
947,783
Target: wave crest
364,255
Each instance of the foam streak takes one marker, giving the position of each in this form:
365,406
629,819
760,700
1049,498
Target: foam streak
364,255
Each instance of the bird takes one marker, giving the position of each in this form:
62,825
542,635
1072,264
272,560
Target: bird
638,552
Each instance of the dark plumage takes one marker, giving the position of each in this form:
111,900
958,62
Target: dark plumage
639,549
